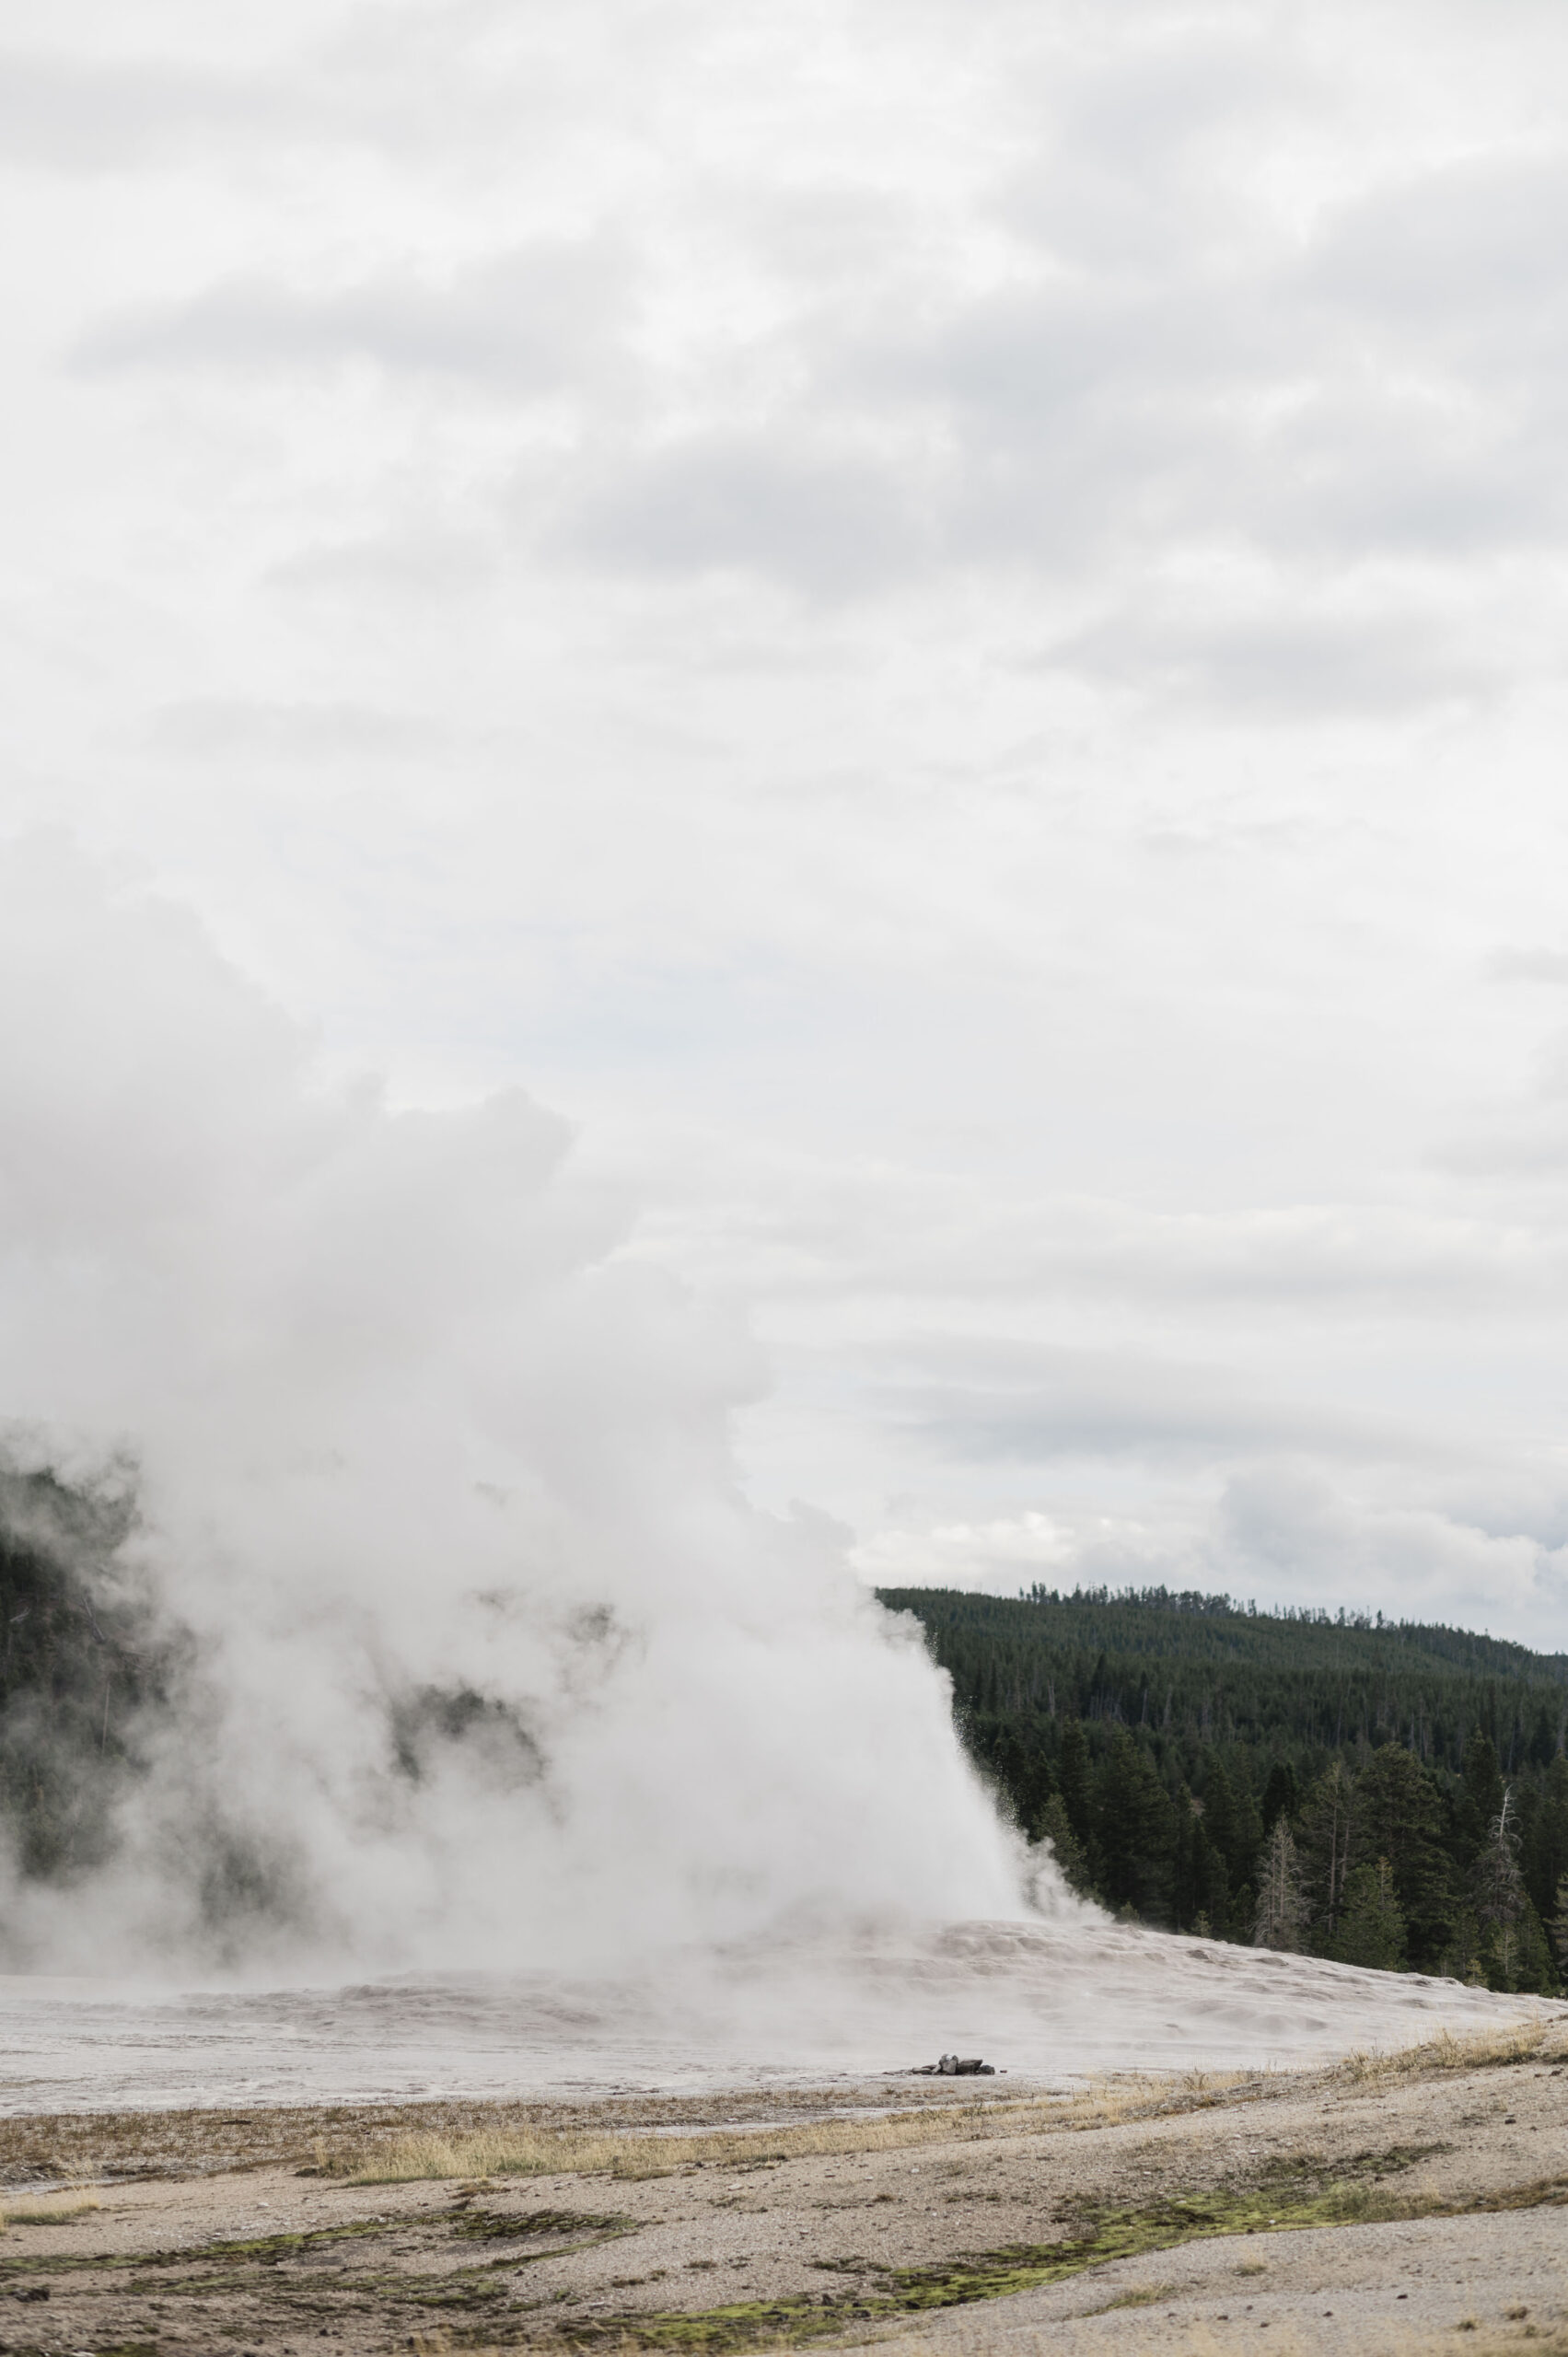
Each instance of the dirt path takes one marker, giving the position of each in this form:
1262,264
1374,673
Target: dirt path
1175,2216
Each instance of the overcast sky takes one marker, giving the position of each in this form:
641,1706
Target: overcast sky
945,621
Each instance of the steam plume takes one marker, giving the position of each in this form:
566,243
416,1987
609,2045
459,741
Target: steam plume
434,1624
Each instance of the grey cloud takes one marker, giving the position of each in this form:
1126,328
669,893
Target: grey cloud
1522,1152
1332,1260
1087,434
1389,393
1333,1264
816,519
1282,1531
1168,374
1300,661
1038,1405
1126,155
434,563
530,320
938,1238
1291,1529
206,725
1070,421
1527,965
390,81
1468,257
1509,1502
1231,407
76,114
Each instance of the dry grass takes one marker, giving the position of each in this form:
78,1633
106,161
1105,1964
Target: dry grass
1151,2295
608,2134
499,2153
1550,2341
55,2209
503,2151
45,2148
399,2142
1544,2040
393,2143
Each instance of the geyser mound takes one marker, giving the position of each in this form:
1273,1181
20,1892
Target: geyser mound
433,1625
1047,2000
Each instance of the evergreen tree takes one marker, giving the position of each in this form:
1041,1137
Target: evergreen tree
1372,1928
1462,1955
1280,1797
1397,1817
1218,1804
1136,1829
1479,1798
1280,1915
1546,1853
1231,1822
1072,1779
1055,1827
1202,1889
1185,1897
1022,1772
1328,1824
1559,1926
1531,1961
1213,1879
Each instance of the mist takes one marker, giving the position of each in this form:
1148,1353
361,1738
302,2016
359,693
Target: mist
435,1627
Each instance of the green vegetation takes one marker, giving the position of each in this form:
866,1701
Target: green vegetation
260,2250
1390,1795
1285,2199
491,2225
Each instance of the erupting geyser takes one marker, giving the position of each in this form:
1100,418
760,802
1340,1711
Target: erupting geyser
368,1519
464,1645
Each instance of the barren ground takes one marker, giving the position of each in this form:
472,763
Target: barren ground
1414,2203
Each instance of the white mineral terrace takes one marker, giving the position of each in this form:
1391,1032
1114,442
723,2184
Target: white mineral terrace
1044,2002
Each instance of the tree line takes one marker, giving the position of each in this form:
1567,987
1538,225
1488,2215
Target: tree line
1392,1795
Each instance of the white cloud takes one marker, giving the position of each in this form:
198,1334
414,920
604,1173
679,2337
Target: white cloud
1279,1535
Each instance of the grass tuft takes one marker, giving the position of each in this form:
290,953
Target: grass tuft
530,2152
43,2149
1542,2040
53,2210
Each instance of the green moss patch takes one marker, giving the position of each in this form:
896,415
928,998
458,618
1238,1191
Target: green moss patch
261,2250
1288,2200
498,2225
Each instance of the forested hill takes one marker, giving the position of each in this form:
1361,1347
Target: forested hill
1301,1682
1388,1793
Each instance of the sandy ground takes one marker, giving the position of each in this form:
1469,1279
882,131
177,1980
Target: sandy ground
810,2244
